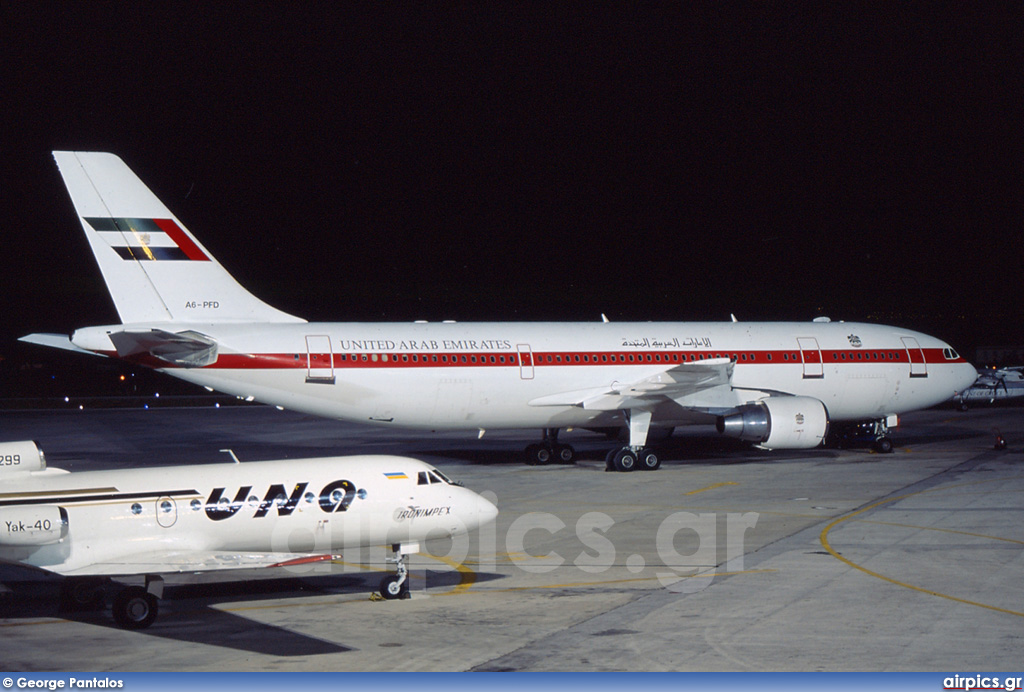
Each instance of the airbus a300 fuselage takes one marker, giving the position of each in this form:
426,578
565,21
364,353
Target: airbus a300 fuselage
774,384
502,375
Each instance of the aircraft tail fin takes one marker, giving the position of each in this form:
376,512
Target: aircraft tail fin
155,270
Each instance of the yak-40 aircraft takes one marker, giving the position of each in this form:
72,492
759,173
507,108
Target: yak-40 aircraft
142,524
778,385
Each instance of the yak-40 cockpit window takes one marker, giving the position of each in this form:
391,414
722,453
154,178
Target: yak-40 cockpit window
432,476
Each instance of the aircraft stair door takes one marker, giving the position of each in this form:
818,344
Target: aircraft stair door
918,366
166,512
525,361
319,360
810,352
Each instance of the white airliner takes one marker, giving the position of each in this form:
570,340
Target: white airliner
157,521
775,384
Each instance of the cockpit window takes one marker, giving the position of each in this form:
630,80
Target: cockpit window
433,476
950,354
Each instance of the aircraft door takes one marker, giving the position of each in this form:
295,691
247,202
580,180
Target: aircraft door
810,352
319,360
918,366
166,511
525,361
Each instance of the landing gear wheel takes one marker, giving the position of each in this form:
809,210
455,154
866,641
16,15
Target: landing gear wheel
135,608
609,460
391,587
883,445
77,595
648,460
564,454
624,460
537,455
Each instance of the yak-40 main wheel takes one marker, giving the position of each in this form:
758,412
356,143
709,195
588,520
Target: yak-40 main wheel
135,608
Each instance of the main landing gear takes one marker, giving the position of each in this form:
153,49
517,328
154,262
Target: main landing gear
629,459
636,455
550,451
397,585
134,607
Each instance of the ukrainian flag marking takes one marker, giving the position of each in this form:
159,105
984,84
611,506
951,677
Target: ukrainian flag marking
396,476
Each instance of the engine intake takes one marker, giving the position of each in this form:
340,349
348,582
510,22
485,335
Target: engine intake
17,458
783,422
34,525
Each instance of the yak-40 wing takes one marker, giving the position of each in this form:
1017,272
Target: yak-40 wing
173,561
677,383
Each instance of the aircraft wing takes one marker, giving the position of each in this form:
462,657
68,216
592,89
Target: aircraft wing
168,562
674,382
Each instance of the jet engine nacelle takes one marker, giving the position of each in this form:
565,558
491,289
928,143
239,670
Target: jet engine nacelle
779,422
34,525
17,458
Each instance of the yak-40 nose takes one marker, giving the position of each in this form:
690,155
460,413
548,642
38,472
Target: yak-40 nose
483,509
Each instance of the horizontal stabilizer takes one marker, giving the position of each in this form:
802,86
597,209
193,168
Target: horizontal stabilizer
62,341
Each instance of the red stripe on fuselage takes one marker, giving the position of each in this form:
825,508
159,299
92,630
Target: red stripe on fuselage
299,361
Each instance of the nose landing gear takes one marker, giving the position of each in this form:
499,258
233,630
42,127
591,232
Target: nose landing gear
396,586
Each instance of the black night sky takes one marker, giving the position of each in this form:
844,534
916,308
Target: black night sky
534,161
